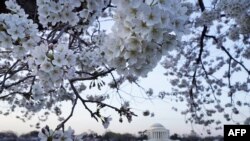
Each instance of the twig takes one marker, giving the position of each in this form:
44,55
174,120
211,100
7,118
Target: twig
198,60
5,75
61,125
17,82
229,73
201,4
82,100
94,76
228,54
206,74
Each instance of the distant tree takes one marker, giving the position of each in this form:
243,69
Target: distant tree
108,135
8,136
52,51
111,136
90,137
175,137
30,135
213,138
142,135
247,121
193,136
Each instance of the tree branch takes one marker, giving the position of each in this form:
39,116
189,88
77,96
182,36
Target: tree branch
82,100
5,75
18,82
96,115
201,4
228,54
94,76
206,74
64,28
229,73
198,60
25,94
61,125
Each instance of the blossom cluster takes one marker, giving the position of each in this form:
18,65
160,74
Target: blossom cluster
17,33
52,63
53,12
207,18
64,11
90,59
232,10
142,32
49,64
239,10
192,69
48,134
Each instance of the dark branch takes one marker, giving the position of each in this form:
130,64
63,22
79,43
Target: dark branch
27,95
18,82
82,100
229,73
201,44
206,75
64,28
61,125
96,115
228,54
94,76
5,75
201,4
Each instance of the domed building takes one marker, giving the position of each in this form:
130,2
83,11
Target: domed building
158,132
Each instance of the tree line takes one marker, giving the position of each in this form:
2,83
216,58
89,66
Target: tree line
107,136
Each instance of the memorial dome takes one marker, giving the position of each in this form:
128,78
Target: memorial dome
157,125
157,132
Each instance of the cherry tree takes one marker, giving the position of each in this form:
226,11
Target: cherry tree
211,66
51,49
